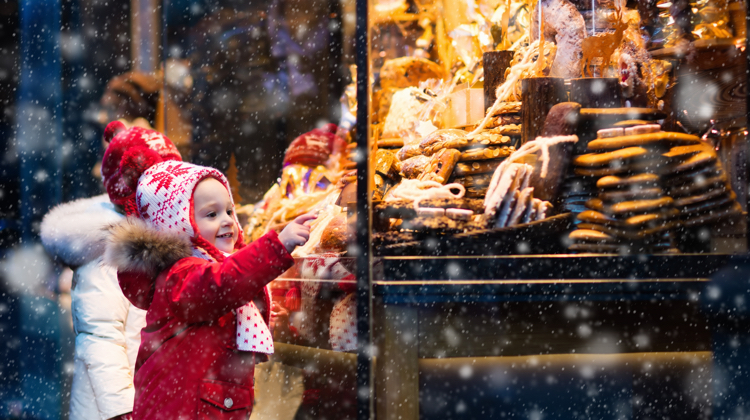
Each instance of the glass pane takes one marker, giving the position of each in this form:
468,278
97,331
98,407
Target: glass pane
627,137
256,89
553,182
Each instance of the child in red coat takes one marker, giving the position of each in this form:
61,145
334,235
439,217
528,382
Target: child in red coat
182,258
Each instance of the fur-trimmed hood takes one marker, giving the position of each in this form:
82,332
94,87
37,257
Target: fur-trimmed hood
76,232
139,253
136,247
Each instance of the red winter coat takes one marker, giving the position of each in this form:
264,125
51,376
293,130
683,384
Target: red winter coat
188,364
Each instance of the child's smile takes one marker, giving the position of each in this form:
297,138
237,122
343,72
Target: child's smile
214,214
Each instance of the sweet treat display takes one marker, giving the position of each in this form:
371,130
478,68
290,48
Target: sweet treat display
652,186
584,147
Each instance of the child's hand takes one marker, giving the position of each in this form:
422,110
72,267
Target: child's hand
297,232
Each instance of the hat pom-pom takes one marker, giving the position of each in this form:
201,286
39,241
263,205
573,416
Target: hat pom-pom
134,162
112,129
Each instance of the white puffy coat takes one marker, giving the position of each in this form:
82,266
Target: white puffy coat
107,326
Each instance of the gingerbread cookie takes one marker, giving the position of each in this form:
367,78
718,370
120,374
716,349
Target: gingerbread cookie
476,167
699,185
441,166
670,180
706,196
596,160
660,139
734,210
596,248
486,153
486,138
608,133
629,207
507,108
473,181
640,234
687,151
443,139
642,129
507,130
411,168
707,205
699,160
644,180
591,236
631,194
654,165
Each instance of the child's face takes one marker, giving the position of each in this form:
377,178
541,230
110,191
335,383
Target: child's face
214,214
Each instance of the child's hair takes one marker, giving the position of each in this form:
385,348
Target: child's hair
144,174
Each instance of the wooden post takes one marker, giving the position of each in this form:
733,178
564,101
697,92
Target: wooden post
397,364
596,92
495,64
538,95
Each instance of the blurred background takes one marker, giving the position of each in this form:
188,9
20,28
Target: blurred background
230,82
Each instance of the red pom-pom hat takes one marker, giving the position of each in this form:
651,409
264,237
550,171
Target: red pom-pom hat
314,147
129,153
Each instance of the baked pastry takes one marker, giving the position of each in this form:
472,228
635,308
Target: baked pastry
476,167
441,166
502,120
443,139
660,139
503,108
507,130
386,164
411,168
487,138
335,236
409,151
408,71
486,153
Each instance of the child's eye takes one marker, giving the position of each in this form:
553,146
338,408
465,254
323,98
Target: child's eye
211,214
229,212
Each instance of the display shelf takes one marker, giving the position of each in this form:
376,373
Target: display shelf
555,267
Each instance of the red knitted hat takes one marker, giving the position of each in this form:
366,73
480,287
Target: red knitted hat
314,147
129,153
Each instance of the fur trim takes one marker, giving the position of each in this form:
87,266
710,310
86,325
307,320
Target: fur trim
76,232
136,247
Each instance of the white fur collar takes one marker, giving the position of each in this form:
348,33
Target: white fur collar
76,232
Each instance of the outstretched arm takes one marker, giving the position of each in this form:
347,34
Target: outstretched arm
202,291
